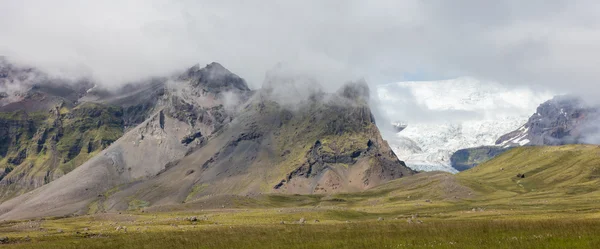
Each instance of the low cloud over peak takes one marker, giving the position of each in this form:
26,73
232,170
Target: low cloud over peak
537,43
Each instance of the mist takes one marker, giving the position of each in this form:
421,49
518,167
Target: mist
537,43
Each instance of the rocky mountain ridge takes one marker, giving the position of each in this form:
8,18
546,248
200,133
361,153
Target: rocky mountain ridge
51,126
204,133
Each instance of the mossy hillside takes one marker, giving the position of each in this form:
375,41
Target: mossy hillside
51,144
91,128
16,129
341,130
561,169
548,178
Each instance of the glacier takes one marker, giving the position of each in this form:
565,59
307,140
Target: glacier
441,117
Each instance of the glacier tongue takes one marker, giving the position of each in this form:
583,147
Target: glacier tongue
444,116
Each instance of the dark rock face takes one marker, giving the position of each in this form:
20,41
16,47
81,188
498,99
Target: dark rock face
19,158
317,161
561,120
190,138
465,159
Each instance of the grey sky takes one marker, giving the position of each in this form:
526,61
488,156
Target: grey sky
551,44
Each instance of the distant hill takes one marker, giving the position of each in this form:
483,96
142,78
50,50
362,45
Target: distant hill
548,181
548,172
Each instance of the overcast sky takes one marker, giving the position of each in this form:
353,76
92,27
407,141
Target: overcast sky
552,44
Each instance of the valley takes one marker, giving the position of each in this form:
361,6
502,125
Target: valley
198,159
492,205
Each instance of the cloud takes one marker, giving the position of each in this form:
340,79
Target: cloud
456,101
544,44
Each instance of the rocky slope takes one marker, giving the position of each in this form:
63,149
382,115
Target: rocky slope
561,120
441,117
51,126
207,134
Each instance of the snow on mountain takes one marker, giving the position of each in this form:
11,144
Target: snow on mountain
561,120
442,117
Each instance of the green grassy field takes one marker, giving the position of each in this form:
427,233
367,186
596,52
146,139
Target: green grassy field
259,229
382,234
556,205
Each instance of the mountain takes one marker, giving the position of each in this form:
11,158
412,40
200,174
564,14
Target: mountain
44,131
561,120
203,134
51,126
442,117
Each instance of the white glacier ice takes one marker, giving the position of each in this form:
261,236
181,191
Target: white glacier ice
442,117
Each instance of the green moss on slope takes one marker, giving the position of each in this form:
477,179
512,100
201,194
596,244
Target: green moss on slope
556,171
37,147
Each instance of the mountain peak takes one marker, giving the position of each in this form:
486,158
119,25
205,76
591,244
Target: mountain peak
215,66
214,77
